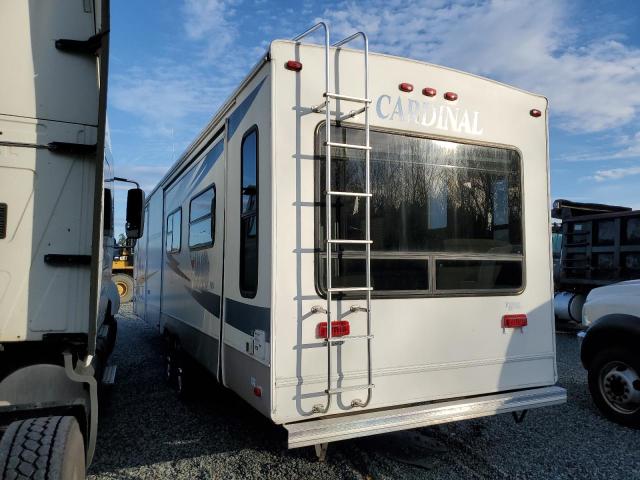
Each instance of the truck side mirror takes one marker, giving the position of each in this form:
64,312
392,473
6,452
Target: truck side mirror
135,213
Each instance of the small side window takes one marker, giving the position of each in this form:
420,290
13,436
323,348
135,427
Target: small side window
249,214
202,219
108,212
173,236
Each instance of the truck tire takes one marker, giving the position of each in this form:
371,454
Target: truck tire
47,448
124,283
614,383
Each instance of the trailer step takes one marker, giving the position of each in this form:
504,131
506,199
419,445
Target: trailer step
347,145
109,375
342,427
351,388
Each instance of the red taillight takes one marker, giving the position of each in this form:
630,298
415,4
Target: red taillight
406,87
517,320
534,112
293,65
339,328
451,96
429,92
257,391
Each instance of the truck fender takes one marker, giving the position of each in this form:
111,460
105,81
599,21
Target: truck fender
616,329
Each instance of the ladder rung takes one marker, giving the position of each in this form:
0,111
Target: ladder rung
350,194
347,145
333,391
347,338
351,114
347,98
353,242
350,289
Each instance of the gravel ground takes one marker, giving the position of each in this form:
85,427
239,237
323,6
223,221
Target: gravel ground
147,433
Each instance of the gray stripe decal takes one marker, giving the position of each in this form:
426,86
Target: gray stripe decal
208,300
241,110
247,318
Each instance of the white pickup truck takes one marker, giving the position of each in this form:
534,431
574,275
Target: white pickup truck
611,350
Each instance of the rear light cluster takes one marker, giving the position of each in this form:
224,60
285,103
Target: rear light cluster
339,328
517,320
296,66
428,91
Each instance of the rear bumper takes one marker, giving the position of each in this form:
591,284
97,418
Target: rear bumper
323,430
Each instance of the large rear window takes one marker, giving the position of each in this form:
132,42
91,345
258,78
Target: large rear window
446,217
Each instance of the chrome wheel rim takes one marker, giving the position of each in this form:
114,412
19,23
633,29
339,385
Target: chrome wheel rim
620,387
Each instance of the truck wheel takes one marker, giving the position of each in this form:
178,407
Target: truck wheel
614,382
124,283
49,448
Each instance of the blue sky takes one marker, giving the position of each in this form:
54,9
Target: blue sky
174,62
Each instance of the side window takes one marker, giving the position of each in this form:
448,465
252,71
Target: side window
173,236
108,212
202,219
249,214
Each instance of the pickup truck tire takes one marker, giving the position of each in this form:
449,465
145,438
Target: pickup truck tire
614,383
124,283
47,448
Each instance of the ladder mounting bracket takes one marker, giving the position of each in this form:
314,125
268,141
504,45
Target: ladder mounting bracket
89,46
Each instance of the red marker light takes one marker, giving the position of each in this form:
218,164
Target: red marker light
429,92
293,65
406,87
534,112
451,96
517,320
339,328
257,391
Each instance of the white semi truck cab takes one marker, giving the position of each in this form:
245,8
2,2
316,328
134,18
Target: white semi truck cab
57,300
611,350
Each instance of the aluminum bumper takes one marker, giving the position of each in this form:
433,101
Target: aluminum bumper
331,429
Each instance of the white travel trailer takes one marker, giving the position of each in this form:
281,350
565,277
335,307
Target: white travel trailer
434,303
57,300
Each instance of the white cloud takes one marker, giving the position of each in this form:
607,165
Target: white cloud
528,44
615,173
619,147
165,93
208,21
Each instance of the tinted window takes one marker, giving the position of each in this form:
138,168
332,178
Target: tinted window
202,219
430,198
478,275
173,236
249,215
108,212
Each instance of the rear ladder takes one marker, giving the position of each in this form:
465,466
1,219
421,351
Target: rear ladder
329,194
